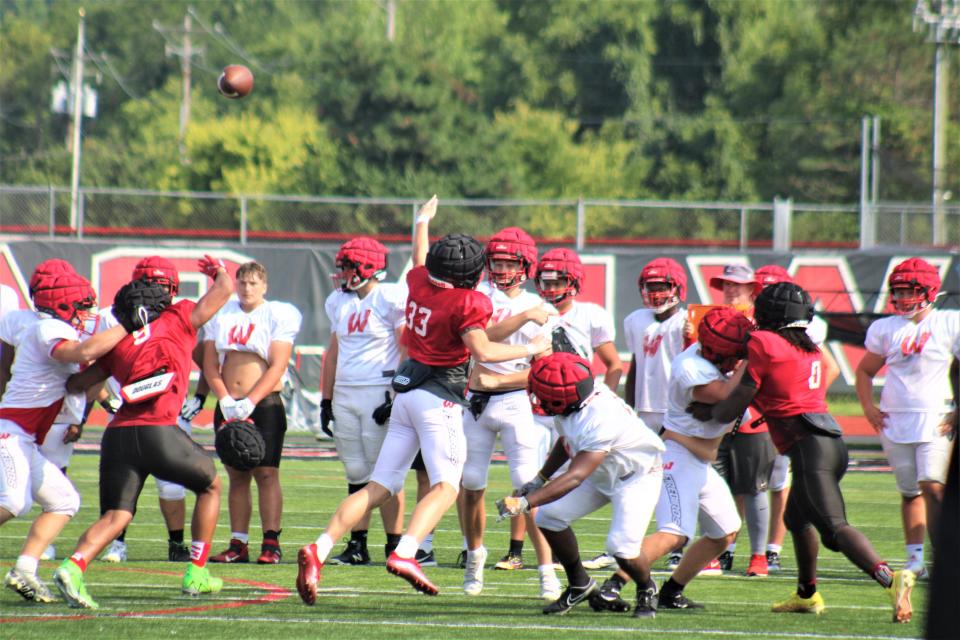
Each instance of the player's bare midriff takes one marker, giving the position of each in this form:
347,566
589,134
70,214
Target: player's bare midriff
704,448
241,371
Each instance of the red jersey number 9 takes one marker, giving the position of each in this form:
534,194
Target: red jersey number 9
417,318
815,375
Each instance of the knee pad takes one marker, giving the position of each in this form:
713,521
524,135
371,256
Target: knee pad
170,491
67,503
547,520
474,477
357,471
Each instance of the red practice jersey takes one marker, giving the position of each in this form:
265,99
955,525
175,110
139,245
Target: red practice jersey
789,381
437,317
166,343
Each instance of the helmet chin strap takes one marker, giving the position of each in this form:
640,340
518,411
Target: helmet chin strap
665,306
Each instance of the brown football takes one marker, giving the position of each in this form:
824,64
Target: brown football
235,82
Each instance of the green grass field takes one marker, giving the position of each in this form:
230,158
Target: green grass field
141,598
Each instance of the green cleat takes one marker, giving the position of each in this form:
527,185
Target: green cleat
69,580
198,580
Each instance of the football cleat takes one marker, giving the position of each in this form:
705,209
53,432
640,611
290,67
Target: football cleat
409,570
571,597
270,552
673,560
197,580
676,600
550,587
773,560
712,569
116,552
795,604
355,553
510,562
69,581
178,551
425,558
646,606
28,585
236,552
50,553
608,598
601,561
308,573
462,559
473,572
899,591
758,566
726,560
917,566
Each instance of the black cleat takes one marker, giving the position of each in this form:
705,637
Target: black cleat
608,598
677,600
646,601
726,560
355,554
178,551
571,597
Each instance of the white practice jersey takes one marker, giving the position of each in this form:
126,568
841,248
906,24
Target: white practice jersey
37,380
9,300
918,359
504,307
587,326
366,330
654,345
690,370
233,329
606,423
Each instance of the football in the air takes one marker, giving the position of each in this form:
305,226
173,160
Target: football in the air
235,82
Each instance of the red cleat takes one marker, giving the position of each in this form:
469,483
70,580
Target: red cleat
409,569
758,566
308,574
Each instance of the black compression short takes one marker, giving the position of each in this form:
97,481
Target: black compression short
818,462
746,461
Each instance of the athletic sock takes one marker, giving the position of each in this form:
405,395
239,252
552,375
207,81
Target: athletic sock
516,547
242,536
78,559
806,589
407,548
324,545
175,535
26,564
757,512
199,552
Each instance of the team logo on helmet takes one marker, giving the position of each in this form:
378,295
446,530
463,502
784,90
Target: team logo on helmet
359,261
723,334
783,305
160,270
663,284
767,275
914,285
563,266
515,246
455,261
67,296
559,383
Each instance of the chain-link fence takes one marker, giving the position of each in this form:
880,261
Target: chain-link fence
244,218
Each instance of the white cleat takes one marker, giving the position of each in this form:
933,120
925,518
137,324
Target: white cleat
116,552
28,585
50,553
473,572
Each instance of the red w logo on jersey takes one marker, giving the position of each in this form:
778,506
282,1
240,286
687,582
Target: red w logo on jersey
357,323
652,345
910,346
236,336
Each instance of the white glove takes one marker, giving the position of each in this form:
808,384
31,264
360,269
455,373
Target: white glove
227,407
191,407
243,408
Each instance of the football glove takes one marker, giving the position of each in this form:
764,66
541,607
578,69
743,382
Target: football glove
382,413
531,486
209,266
511,506
191,407
326,416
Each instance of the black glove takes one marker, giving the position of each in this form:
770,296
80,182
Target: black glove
326,416
700,410
382,413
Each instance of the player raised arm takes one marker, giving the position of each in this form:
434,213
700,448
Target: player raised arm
216,296
421,231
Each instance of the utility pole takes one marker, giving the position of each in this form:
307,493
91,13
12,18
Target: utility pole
391,9
186,51
77,85
941,18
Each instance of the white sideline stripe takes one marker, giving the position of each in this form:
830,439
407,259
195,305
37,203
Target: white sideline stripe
484,625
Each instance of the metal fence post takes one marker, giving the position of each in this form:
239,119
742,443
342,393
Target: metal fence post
243,220
743,228
81,211
581,223
782,215
53,209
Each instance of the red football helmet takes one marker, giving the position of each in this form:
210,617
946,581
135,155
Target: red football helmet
359,261
559,264
914,284
769,274
559,383
723,334
516,245
160,270
51,267
662,271
67,296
